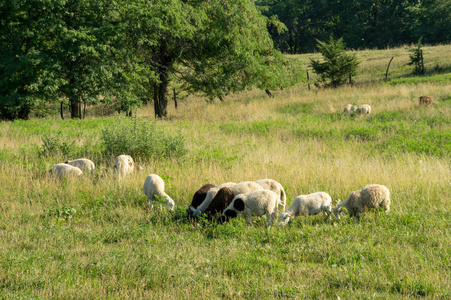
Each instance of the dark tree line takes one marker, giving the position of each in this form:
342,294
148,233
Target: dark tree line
361,23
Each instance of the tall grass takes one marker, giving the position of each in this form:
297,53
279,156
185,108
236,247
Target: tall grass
99,239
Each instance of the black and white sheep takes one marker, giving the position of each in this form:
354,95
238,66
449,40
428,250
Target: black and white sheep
199,197
306,205
257,203
83,164
65,170
124,164
153,188
276,187
370,196
237,188
220,202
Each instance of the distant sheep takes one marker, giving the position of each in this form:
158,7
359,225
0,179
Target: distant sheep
364,109
306,205
199,197
276,187
257,203
219,203
425,100
153,188
370,196
83,164
65,170
349,109
124,165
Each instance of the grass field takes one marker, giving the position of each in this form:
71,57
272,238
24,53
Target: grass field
88,239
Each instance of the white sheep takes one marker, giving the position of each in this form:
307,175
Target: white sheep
276,187
153,188
124,164
65,170
306,205
349,109
257,203
83,164
364,109
370,196
237,188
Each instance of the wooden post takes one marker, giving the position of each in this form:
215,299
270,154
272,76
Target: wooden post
386,72
175,98
308,81
61,111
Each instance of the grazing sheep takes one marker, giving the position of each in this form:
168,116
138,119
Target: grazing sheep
237,188
219,203
349,109
83,164
370,196
306,205
153,188
426,100
276,187
65,170
364,109
255,203
124,164
199,197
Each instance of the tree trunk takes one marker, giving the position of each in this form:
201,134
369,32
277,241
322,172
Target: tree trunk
75,107
61,111
160,96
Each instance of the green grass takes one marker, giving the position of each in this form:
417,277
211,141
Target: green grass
97,238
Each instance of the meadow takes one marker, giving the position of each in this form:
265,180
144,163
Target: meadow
87,239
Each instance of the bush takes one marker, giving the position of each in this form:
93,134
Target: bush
141,138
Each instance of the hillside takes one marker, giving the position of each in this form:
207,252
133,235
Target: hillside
99,239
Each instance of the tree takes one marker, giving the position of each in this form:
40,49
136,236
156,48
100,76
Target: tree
337,65
416,59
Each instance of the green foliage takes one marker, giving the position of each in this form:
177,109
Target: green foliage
416,59
141,138
337,65
57,145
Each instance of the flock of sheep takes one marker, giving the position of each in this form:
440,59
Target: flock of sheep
247,199
365,109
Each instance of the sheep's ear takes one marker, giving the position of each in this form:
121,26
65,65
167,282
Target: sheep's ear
238,204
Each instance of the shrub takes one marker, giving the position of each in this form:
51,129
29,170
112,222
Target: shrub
141,138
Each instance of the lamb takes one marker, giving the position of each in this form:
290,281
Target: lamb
255,203
83,164
237,188
306,205
426,100
364,109
124,164
199,197
349,109
65,170
370,196
153,188
276,187
219,203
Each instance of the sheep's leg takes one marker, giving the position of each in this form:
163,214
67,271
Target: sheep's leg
328,213
249,218
268,219
149,199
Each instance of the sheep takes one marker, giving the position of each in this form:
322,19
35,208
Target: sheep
276,187
255,203
199,197
153,188
237,188
219,203
124,164
426,100
83,164
370,196
65,170
306,205
364,109
349,109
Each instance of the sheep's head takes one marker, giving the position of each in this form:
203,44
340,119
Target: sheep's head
338,210
226,215
284,218
170,203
